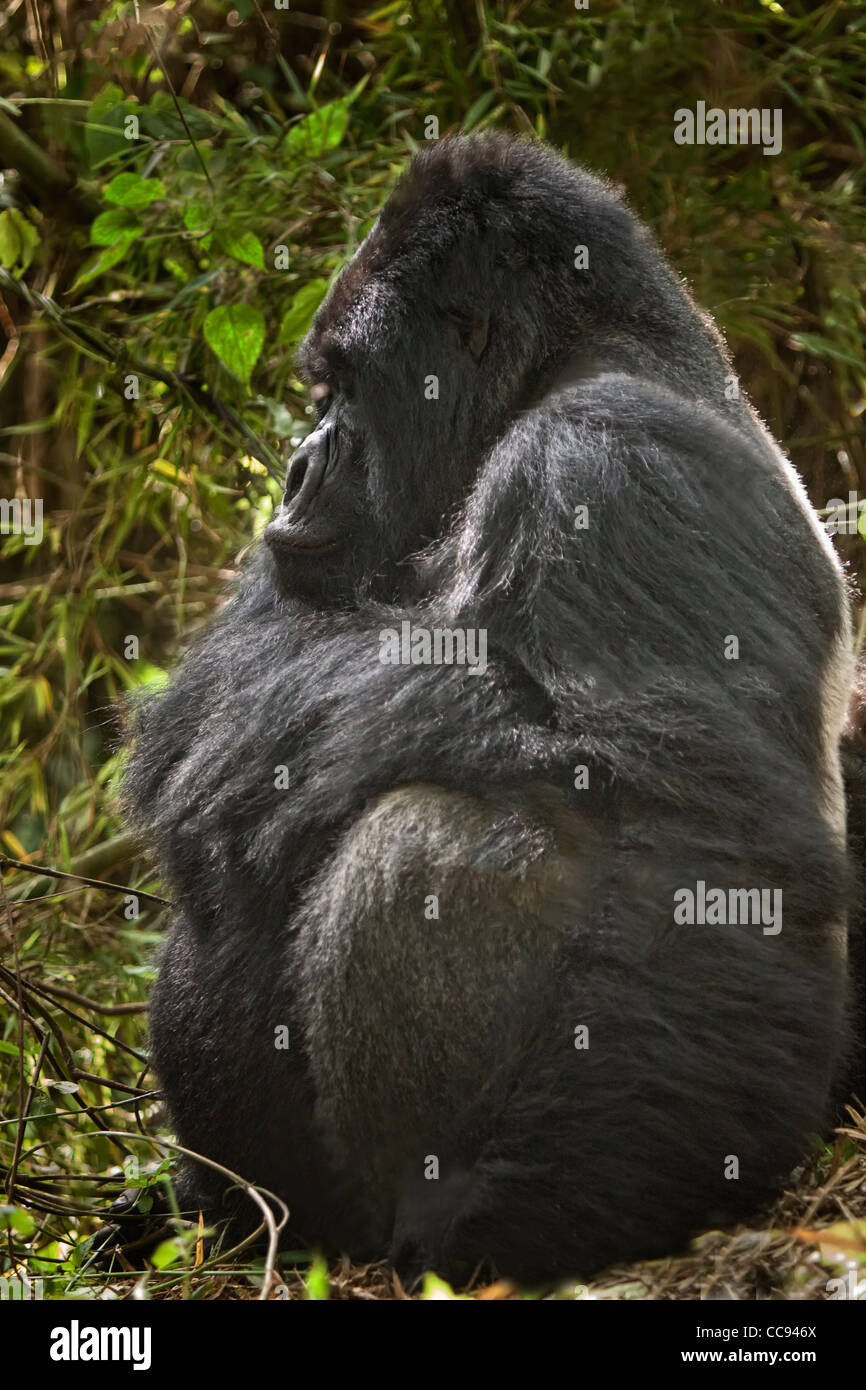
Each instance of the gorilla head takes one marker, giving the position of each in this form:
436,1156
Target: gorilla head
495,270
515,918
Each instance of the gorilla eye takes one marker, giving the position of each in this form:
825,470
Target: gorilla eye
322,397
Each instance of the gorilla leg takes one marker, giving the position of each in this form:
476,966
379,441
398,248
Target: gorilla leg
218,1012
452,953
425,962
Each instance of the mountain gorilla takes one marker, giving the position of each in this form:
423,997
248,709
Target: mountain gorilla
502,807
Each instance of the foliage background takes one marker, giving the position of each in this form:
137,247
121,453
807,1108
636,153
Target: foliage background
261,128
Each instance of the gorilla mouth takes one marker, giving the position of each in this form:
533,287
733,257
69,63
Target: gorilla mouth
312,546
296,527
283,537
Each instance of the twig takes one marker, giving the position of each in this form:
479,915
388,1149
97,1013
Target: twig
43,872
273,1230
115,1010
107,348
34,988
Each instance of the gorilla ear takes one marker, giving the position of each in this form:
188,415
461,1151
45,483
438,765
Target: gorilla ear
478,334
473,329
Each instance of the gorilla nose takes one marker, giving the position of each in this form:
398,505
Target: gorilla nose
303,480
295,475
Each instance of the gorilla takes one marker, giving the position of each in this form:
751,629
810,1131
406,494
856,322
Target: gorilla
501,806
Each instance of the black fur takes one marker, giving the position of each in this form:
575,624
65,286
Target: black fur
558,388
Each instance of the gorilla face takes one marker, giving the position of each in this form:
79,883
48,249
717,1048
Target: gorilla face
494,272
389,460
418,360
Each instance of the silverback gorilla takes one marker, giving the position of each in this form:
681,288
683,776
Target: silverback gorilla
501,807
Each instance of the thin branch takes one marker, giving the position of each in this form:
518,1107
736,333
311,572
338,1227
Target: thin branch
270,1277
42,871
115,1010
112,351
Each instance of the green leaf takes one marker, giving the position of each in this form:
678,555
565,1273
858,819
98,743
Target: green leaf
168,1252
18,240
160,119
198,216
317,1283
143,673
114,223
320,131
14,1219
132,191
41,1108
104,136
243,246
436,1290
108,257
236,333
301,311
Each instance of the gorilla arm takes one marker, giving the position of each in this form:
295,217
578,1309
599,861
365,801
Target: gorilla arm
627,679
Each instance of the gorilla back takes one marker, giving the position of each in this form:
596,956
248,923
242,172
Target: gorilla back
508,781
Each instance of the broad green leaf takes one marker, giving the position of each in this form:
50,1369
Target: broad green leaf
41,1107
198,216
11,245
104,135
320,131
236,333
132,191
160,119
18,240
145,1180
114,223
243,246
14,1219
301,311
168,1252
